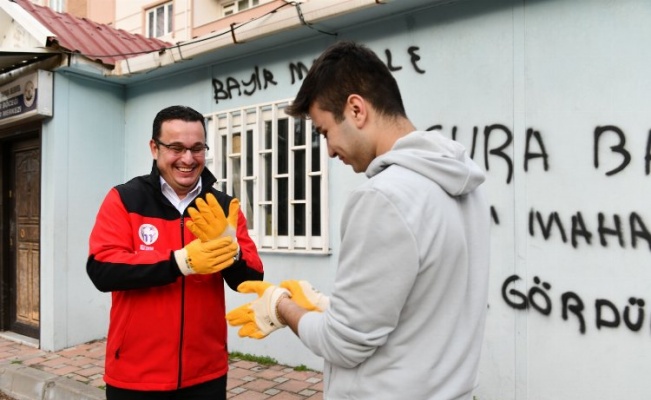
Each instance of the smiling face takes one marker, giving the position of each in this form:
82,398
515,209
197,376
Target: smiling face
180,171
346,140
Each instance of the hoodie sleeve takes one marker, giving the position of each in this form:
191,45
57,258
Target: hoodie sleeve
377,268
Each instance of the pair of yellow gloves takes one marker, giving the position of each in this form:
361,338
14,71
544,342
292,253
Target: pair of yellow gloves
216,245
216,248
260,317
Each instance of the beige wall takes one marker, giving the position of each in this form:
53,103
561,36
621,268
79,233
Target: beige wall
207,19
78,8
192,18
100,11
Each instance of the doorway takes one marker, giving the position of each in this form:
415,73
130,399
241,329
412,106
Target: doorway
21,191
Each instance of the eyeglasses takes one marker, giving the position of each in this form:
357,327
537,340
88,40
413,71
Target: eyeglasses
179,149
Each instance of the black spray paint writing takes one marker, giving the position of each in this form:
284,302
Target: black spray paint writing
258,80
261,79
534,146
414,58
495,142
610,229
607,313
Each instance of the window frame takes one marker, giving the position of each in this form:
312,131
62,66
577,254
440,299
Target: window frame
168,19
239,157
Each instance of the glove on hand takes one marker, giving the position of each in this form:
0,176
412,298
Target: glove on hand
258,318
209,222
206,257
306,296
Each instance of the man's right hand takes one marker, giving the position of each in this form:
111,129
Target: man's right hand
306,296
206,257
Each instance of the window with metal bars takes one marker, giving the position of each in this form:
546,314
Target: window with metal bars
277,166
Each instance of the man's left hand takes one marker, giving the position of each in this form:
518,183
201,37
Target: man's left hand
208,219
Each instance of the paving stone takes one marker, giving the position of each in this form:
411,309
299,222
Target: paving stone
76,373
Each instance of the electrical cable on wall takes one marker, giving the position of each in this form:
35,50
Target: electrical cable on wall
302,18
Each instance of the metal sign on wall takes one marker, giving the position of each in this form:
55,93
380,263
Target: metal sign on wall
26,98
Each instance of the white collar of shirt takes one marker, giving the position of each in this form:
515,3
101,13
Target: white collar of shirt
171,195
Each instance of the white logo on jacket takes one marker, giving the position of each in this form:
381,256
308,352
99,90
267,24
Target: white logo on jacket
148,234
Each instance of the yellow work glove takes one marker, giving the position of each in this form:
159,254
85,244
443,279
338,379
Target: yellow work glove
206,257
259,317
306,296
208,219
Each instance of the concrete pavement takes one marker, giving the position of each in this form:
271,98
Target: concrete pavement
75,373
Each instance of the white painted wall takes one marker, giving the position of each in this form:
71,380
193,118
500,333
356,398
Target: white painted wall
559,68
82,158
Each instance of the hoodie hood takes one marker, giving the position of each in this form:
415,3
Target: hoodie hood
434,156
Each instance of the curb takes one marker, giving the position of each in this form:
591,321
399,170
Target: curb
26,383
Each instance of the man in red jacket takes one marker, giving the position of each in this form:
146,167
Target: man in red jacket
167,331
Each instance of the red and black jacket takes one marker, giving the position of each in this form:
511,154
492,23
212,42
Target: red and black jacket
167,331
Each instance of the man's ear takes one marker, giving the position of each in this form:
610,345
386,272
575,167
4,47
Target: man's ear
153,148
357,110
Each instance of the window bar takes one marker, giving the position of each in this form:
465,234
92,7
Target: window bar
274,174
324,193
291,195
308,185
211,126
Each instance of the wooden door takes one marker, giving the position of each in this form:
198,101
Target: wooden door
24,237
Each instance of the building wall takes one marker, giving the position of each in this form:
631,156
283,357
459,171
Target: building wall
82,158
100,11
207,17
192,18
550,97
78,8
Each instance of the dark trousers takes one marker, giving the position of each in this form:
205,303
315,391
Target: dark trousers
211,390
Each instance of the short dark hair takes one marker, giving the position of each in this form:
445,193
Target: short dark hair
176,112
343,69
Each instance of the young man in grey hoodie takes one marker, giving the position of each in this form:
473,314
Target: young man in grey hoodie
406,316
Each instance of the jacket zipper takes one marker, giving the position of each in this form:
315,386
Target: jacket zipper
178,385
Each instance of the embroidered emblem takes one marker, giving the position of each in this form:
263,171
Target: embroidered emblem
148,233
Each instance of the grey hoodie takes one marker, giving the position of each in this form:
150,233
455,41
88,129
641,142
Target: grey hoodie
407,311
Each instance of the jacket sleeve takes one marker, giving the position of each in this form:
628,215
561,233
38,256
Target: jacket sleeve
249,266
113,262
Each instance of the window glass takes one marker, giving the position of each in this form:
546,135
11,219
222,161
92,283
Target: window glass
170,18
160,21
150,25
281,146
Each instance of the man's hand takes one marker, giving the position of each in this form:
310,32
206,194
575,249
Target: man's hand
206,257
209,221
258,318
306,296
